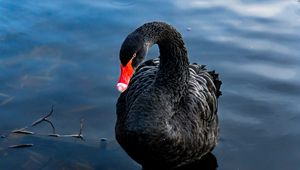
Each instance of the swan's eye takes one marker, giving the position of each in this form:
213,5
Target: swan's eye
126,73
133,56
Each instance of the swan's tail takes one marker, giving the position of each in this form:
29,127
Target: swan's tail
217,82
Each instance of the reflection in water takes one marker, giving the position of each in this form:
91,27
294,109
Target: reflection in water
207,162
264,10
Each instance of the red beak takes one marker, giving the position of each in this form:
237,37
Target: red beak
126,74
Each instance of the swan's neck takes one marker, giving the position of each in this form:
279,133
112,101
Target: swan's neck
173,69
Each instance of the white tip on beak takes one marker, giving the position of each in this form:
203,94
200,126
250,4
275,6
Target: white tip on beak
121,87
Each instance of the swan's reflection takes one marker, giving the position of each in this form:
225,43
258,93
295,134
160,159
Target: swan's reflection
208,162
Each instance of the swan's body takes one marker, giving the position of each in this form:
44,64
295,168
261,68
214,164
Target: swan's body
167,117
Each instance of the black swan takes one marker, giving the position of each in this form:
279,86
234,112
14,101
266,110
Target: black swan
167,111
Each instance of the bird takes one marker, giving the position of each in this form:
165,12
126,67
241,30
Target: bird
167,108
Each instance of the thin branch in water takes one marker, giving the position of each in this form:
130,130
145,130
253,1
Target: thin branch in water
81,127
21,146
43,118
79,135
22,131
54,135
49,121
75,136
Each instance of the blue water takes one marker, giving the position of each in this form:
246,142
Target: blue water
65,53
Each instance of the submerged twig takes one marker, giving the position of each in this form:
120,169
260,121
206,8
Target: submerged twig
81,126
75,136
22,131
45,118
53,128
79,135
54,135
21,145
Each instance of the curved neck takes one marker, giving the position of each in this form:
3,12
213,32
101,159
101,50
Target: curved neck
173,69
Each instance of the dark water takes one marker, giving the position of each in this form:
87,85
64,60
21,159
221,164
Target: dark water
65,53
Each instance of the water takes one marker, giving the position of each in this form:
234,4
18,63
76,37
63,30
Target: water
66,54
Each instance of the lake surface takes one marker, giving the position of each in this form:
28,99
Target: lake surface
65,53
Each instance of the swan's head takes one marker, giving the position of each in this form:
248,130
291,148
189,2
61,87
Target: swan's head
132,53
